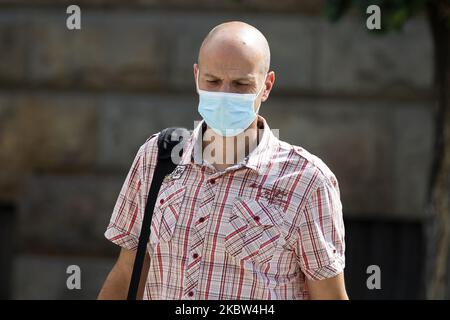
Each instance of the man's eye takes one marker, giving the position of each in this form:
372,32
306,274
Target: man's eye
212,81
242,84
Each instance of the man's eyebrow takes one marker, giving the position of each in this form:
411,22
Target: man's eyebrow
210,75
246,78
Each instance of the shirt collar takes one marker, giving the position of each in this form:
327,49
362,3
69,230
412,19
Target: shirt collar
262,155
257,160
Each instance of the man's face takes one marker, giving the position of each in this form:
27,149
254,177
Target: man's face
228,69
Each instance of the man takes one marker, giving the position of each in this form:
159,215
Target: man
259,219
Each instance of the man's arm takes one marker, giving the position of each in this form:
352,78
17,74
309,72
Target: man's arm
118,280
327,289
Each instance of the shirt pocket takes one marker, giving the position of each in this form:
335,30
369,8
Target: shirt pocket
253,230
166,214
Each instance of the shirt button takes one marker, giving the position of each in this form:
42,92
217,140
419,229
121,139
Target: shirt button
212,181
190,293
253,185
195,255
256,218
161,201
201,220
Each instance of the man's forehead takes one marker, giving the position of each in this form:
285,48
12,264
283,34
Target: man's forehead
232,64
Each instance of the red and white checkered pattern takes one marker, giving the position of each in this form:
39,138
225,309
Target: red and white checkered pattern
254,231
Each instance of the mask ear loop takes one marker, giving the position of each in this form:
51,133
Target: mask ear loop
196,83
260,90
196,80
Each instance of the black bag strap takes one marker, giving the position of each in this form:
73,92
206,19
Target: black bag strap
167,139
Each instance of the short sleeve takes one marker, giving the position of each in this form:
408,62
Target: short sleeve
125,224
320,235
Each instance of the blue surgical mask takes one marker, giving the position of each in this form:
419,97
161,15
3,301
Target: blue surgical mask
228,114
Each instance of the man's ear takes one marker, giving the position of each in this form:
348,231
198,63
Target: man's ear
195,67
270,80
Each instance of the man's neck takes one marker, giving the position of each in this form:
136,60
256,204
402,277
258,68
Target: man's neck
224,152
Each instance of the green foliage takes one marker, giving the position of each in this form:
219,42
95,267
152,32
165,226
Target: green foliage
335,9
394,13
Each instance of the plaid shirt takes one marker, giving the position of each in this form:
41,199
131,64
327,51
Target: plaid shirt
253,231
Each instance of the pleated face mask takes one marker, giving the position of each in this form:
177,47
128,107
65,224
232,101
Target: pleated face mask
228,114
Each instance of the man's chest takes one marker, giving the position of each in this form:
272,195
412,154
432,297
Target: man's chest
240,215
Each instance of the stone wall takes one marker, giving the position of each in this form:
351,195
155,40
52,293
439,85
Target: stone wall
76,105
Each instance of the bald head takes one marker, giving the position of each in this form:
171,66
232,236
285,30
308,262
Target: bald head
239,40
235,57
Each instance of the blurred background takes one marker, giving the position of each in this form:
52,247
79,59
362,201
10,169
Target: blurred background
75,106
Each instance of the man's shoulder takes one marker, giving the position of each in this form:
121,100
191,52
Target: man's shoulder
148,151
150,145
312,165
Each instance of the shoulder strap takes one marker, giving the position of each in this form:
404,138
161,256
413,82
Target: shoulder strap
167,139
